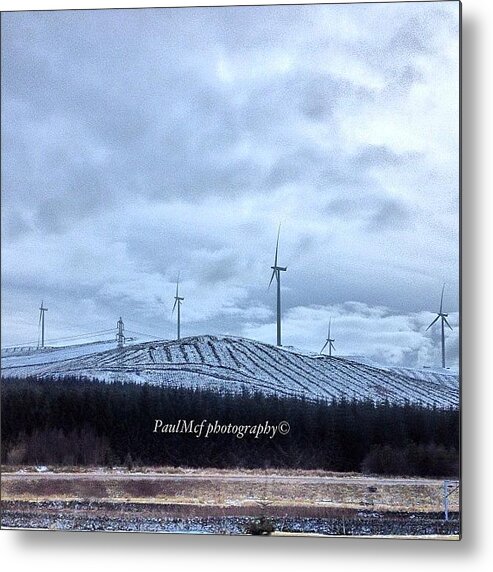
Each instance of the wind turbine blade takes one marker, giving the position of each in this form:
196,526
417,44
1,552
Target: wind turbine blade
332,346
40,314
330,320
174,306
325,345
272,278
446,321
438,315
441,299
277,244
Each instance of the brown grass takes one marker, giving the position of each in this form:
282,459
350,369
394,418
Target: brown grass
196,489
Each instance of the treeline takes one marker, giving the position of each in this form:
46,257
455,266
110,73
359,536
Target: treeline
75,421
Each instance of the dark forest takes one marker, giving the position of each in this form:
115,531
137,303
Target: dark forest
73,421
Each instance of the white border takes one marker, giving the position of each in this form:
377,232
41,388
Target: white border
39,551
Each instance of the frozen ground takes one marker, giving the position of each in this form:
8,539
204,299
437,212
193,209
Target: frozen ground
94,516
226,363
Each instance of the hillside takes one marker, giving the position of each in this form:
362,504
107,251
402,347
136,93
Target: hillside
235,364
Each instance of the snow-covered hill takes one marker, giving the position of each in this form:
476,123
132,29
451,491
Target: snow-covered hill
227,363
33,356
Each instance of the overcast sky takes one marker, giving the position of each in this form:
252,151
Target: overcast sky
140,143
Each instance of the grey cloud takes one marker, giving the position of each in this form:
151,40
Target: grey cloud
173,155
390,213
402,80
49,216
377,156
14,225
79,196
410,37
218,268
374,211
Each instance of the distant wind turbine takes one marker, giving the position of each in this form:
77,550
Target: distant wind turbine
177,304
276,272
329,342
41,324
441,315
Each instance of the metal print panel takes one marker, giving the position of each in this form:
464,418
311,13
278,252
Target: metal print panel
230,270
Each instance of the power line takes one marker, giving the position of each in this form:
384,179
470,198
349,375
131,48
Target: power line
78,337
64,339
145,335
81,335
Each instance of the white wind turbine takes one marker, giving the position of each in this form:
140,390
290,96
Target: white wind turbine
441,315
329,341
177,304
276,272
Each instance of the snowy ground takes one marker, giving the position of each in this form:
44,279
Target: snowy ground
232,364
36,356
90,516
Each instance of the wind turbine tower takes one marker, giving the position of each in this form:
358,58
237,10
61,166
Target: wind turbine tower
41,324
177,305
441,315
276,272
329,342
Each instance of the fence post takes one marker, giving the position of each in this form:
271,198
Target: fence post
445,499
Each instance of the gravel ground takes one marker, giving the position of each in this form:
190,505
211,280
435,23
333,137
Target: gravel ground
80,515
